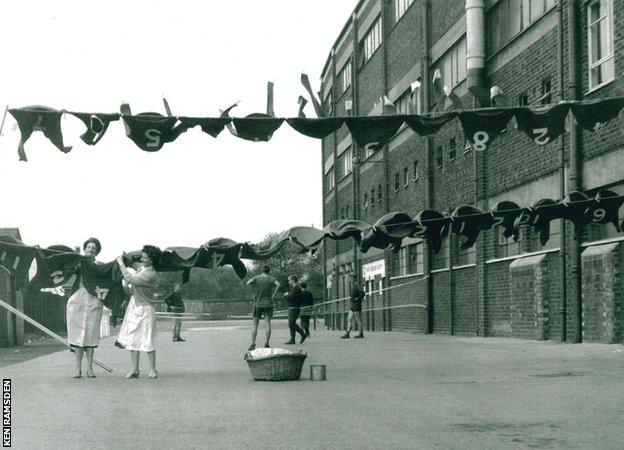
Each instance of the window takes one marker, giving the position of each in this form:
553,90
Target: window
439,158
553,242
600,231
330,179
371,41
600,42
441,259
347,212
463,257
546,96
345,77
400,262
365,200
453,65
417,258
507,246
523,99
347,161
402,104
405,176
368,151
379,193
396,182
415,169
416,102
372,197
400,6
452,149
329,104
510,17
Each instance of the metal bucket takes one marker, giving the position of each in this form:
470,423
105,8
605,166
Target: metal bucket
317,372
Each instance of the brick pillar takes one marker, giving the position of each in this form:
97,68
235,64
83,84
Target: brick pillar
602,293
529,298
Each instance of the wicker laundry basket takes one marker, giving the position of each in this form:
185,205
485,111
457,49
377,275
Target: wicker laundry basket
275,364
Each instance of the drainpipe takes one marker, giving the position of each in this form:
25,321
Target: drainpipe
574,178
426,86
386,314
336,264
355,169
562,251
475,50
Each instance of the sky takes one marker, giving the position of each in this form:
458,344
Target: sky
202,56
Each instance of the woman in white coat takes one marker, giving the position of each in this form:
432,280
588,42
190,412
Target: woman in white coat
138,330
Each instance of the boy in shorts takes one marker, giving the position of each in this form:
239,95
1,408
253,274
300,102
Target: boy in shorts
265,288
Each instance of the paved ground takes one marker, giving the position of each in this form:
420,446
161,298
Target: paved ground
389,390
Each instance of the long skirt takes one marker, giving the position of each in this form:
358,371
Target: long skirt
138,330
84,316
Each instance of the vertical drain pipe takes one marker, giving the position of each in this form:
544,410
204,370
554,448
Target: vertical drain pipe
562,251
426,77
475,71
475,50
574,177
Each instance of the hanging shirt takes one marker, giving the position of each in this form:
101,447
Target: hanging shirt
256,127
150,131
426,126
468,221
431,226
38,118
96,123
592,114
372,133
316,128
483,127
543,125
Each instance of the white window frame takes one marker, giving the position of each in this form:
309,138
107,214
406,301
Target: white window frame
345,77
607,21
400,6
402,262
452,64
331,179
372,40
347,161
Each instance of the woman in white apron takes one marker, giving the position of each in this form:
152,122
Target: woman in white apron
138,330
84,315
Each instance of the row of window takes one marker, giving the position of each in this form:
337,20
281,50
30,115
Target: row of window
510,17
409,260
505,21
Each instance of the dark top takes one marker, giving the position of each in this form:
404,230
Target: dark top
294,297
307,298
174,299
357,295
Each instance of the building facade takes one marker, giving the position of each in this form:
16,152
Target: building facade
426,55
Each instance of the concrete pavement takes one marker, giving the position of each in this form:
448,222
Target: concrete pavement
389,390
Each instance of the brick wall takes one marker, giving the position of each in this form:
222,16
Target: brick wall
464,302
602,293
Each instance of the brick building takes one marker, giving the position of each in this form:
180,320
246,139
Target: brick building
537,52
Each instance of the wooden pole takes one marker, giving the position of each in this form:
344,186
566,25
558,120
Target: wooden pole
48,332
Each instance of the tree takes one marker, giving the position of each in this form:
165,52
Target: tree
289,261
